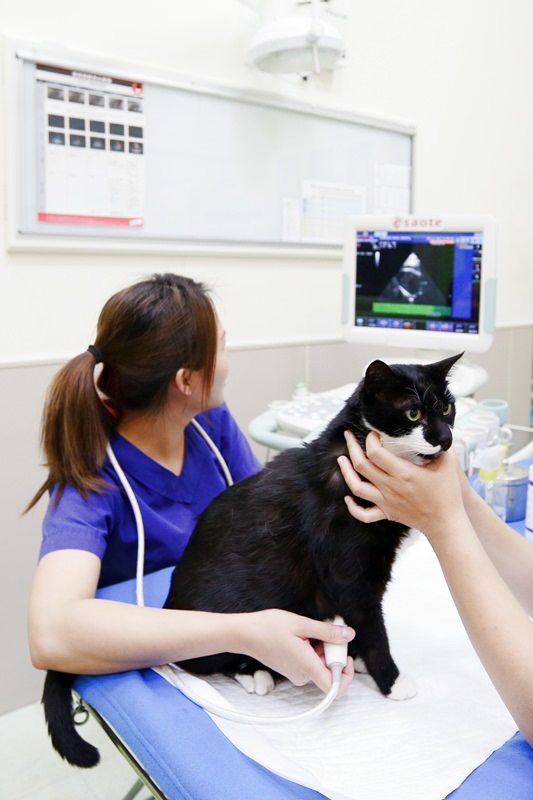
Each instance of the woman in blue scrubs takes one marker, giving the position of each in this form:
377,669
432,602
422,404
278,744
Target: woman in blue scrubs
157,363
488,566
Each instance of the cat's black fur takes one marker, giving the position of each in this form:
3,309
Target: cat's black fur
284,539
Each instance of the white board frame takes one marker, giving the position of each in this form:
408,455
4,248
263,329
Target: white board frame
21,140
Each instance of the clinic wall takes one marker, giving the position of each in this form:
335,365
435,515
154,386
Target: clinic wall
460,74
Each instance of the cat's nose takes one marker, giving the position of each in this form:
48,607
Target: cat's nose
447,443
442,436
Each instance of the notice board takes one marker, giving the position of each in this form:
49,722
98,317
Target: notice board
116,153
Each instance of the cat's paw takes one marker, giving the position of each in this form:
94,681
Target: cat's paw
359,666
261,682
403,688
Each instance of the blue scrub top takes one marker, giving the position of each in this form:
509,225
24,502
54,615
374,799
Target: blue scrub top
104,524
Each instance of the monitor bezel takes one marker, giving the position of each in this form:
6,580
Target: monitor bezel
427,223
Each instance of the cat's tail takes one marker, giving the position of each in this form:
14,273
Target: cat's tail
57,702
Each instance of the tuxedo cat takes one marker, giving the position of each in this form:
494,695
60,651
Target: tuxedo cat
284,539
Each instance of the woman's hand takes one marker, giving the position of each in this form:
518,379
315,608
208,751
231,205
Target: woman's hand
425,497
284,642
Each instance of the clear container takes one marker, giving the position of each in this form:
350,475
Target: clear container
507,493
529,506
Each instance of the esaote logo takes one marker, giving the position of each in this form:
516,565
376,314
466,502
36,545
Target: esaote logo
417,222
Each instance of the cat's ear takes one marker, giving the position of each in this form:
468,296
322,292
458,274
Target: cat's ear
379,378
443,367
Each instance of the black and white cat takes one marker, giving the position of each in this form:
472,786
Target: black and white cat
284,538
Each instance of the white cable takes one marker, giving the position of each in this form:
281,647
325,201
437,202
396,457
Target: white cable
138,521
139,574
315,33
216,451
251,719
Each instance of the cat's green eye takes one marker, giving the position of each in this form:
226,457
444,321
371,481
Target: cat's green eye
413,414
447,410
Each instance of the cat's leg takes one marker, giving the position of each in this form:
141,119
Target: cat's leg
372,645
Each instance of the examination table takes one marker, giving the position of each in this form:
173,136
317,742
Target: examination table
181,754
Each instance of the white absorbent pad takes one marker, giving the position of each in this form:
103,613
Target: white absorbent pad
365,746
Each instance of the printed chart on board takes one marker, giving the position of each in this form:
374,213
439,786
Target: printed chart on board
91,148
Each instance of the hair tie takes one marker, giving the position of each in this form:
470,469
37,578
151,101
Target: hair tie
96,353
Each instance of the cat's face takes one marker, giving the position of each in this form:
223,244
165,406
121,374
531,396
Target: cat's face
411,407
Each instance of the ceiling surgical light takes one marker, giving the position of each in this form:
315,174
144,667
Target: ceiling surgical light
303,44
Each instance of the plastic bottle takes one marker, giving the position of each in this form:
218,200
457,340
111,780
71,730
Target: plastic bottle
485,483
529,507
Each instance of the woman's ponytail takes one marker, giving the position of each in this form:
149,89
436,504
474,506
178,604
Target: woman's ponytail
75,429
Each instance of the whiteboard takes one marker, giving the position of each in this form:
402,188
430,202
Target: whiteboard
224,166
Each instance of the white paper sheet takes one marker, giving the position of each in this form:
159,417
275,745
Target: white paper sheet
365,746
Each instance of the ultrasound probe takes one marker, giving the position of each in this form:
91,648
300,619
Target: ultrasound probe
335,655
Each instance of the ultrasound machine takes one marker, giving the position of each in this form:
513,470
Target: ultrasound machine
426,284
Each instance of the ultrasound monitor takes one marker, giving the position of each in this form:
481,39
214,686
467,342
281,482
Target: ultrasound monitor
423,282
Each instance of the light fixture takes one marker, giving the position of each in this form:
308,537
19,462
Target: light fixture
296,44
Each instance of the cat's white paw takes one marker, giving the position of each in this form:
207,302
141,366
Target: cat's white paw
403,688
359,666
247,682
261,682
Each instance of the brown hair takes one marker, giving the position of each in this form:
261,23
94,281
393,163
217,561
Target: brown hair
145,334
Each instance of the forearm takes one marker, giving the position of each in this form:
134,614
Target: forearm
72,631
498,626
100,636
